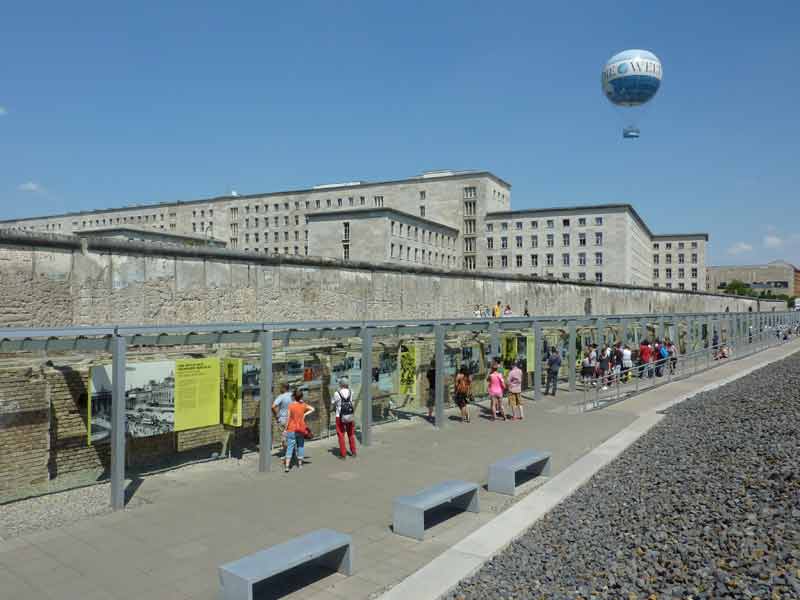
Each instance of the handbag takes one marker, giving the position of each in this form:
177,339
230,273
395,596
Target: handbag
308,434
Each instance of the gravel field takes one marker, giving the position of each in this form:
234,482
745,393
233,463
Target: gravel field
705,505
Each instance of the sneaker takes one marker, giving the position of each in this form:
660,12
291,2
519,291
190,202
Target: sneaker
285,469
603,388
300,465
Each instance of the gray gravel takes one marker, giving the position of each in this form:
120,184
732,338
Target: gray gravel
705,505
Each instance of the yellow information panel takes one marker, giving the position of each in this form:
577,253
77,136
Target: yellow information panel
530,347
408,370
232,392
197,384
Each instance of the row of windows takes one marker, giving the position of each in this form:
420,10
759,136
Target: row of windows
377,201
668,259
125,220
550,223
421,255
549,260
276,236
255,222
681,286
437,239
668,273
549,240
668,245
276,250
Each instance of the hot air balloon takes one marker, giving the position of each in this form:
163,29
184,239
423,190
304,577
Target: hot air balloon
630,79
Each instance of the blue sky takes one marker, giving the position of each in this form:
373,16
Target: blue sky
104,106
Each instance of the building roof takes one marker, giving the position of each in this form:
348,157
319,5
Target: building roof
425,177
774,263
156,233
540,212
371,213
680,236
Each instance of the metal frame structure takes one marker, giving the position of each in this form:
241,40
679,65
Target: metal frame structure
117,339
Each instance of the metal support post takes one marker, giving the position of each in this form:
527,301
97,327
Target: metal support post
438,331
689,336
662,331
494,340
538,360
600,324
624,332
571,357
118,351
265,408
366,386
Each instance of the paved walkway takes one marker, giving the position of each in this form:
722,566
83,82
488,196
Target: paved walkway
193,519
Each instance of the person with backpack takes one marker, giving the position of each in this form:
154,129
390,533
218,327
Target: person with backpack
463,389
662,357
515,392
296,429
344,410
672,350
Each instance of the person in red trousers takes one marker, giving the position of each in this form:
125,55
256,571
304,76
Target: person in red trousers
344,406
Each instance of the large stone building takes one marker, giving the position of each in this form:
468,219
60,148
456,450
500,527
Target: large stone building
446,219
779,277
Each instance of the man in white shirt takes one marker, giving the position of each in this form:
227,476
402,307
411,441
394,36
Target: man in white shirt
280,409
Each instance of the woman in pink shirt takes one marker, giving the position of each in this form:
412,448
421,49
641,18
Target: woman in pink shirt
496,387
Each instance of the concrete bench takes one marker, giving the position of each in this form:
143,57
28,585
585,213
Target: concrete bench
409,511
330,548
503,473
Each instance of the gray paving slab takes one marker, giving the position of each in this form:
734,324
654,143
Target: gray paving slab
201,516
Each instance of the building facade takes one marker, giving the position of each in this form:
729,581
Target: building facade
679,261
447,219
779,277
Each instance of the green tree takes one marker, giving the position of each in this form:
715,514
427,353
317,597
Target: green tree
739,288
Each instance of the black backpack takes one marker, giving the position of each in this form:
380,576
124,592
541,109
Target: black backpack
346,408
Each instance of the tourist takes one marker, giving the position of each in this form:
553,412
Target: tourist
587,371
553,367
280,409
477,313
497,386
431,376
605,365
296,429
497,311
672,351
507,311
526,312
515,392
645,359
463,390
594,363
344,411
616,361
627,363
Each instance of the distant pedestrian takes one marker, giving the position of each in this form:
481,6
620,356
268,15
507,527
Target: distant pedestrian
507,311
672,352
463,390
645,359
605,364
587,372
431,376
553,367
526,312
496,388
477,313
344,411
515,392
296,429
280,409
497,311
627,363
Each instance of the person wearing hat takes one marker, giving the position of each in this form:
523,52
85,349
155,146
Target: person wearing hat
344,408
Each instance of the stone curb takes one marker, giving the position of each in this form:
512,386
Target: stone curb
466,557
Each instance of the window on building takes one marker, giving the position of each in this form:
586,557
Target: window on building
655,274
668,245
581,221
285,236
469,263
339,202
469,208
378,200
504,226
694,244
286,207
392,227
680,245
598,277
327,203
681,259
247,223
550,223
276,236
504,261
255,236
519,260
668,273
681,273
316,203
655,246
694,286
518,225
534,260
534,224
582,276
489,262
565,222
598,221
518,241
565,239
234,211
469,226
350,201
297,219
655,259
565,259
598,258
416,254
669,286
694,273
308,204
550,240
564,275
534,241
581,239
582,259
489,227
504,242
416,233
668,258
469,244
285,220
346,251
694,259
470,192
549,260
598,238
